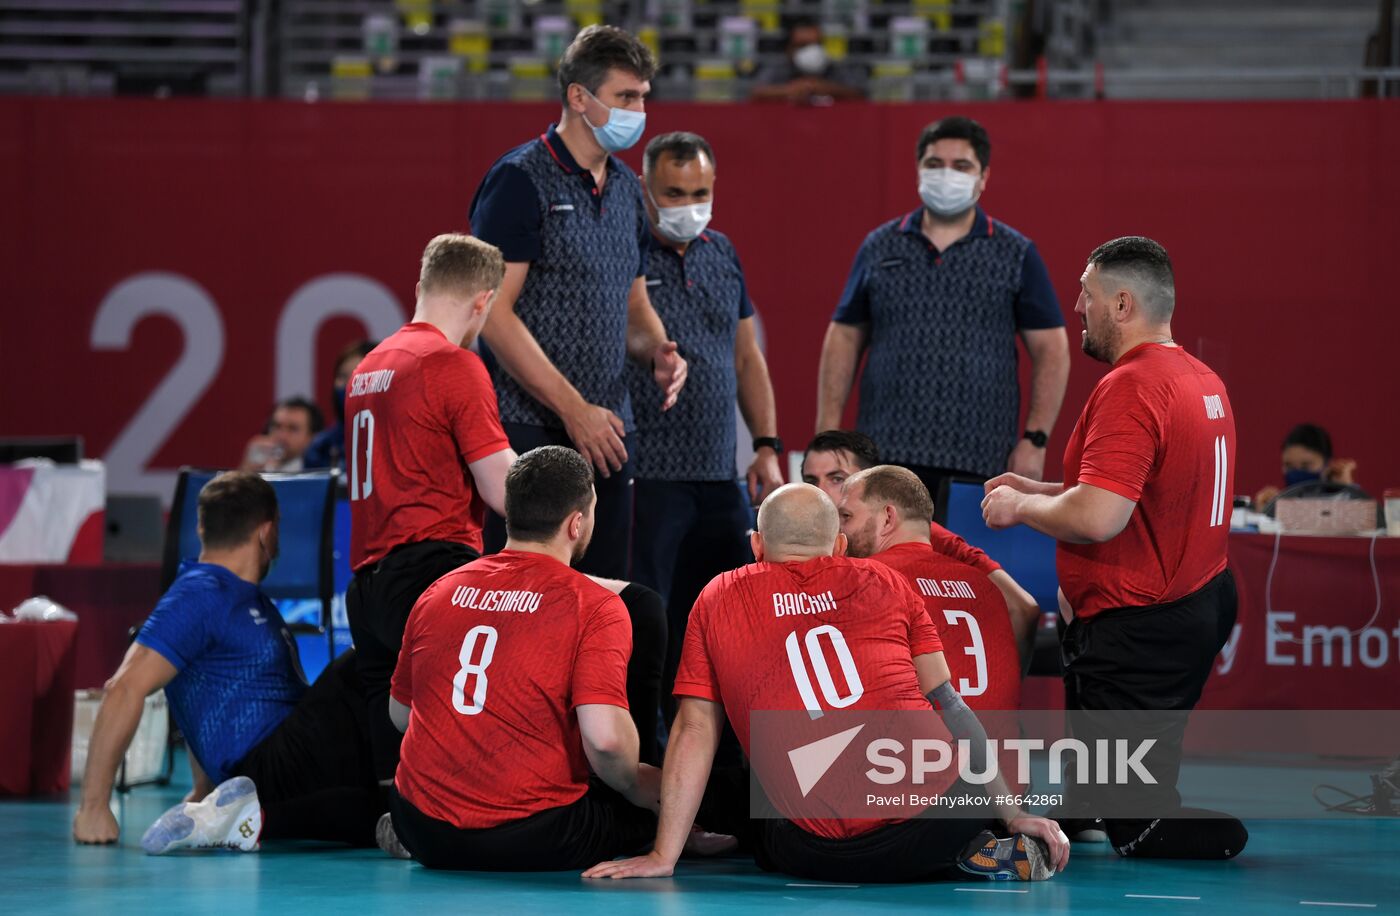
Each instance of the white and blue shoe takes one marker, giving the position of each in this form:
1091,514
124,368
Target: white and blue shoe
230,817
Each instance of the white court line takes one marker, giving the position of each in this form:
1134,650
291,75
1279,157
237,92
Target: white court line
1159,897
990,890
1359,906
823,885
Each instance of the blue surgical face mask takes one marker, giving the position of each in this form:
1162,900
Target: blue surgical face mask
1295,476
622,130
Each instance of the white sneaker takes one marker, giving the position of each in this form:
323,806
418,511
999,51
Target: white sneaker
229,818
388,839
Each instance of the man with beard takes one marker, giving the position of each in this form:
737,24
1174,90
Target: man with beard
289,761
1142,519
512,684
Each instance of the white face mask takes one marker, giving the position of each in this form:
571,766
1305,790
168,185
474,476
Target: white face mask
947,192
682,224
810,59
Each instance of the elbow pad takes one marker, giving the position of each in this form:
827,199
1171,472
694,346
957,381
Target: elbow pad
962,722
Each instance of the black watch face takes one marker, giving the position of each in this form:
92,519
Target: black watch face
1038,439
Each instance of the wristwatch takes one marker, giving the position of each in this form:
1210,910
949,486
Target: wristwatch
772,442
1038,437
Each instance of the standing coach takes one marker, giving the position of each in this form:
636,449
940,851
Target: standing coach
573,307
938,297
1142,521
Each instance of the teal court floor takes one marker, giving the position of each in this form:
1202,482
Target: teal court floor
1317,865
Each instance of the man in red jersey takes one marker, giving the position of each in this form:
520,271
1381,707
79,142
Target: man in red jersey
511,685
1142,518
884,514
425,455
834,455
741,655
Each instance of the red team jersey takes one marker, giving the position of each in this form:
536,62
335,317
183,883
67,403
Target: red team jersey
418,410
954,547
496,657
1158,429
972,621
751,628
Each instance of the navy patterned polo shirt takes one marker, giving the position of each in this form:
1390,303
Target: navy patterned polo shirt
940,383
701,297
585,249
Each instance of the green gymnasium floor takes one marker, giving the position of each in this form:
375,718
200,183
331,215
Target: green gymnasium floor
1299,866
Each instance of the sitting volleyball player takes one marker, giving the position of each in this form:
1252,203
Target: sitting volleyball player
733,663
885,515
511,685
271,757
836,454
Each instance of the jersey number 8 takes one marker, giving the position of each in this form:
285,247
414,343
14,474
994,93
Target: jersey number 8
459,683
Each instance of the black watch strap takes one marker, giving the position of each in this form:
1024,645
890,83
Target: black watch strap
1038,437
772,442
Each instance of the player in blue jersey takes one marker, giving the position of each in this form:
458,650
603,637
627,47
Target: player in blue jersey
271,757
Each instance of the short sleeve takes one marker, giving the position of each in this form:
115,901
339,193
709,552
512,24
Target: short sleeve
1037,308
950,545
600,667
745,303
854,307
181,628
1122,433
923,633
469,404
506,212
696,675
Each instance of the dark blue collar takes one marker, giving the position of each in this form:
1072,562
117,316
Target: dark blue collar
982,226
656,244
222,573
560,151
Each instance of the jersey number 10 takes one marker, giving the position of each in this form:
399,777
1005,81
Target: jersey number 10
799,661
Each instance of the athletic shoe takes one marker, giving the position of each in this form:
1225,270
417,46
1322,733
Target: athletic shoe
229,818
388,840
1015,858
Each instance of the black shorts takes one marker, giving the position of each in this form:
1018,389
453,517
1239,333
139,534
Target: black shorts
599,826
314,773
1154,658
378,603
922,849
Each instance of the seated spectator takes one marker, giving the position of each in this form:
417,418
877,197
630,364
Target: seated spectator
271,758
1307,456
327,450
285,438
807,75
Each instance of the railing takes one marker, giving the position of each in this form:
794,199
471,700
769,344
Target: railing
329,49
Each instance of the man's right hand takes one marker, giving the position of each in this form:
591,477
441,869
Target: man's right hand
597,433
95,824
1048,831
